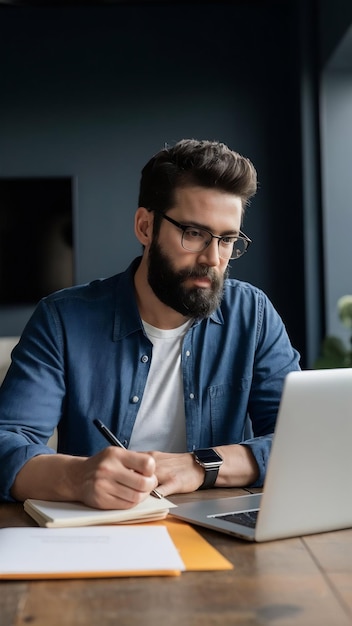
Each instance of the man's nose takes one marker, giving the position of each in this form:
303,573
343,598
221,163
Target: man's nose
210,255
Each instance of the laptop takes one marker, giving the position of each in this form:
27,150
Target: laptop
308,482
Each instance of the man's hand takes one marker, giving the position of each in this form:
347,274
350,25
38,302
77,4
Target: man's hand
179,473
111,479
116,479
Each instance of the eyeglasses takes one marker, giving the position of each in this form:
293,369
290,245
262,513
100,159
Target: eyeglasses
196,239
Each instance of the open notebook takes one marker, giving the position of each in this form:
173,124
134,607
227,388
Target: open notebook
307,487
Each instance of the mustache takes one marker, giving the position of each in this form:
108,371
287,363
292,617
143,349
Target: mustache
198,272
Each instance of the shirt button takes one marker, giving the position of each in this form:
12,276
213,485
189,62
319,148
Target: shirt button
188,353
145,358
191,395
135,399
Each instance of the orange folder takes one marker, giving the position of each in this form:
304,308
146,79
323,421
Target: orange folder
196,553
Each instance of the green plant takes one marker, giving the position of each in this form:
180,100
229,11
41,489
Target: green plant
334,353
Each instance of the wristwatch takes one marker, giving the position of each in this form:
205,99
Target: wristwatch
210,461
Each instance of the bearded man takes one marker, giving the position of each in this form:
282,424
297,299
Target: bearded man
172,354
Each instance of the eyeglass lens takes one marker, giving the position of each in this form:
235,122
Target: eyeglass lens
196,240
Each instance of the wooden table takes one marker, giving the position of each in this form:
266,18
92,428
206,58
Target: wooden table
303,581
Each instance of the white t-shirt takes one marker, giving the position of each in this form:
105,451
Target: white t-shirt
161,423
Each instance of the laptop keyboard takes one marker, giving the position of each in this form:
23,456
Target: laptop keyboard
246,518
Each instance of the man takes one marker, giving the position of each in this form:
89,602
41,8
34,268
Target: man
171,355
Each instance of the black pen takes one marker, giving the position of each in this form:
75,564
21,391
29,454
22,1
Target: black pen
110,437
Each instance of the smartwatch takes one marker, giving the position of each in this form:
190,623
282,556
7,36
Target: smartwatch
210,461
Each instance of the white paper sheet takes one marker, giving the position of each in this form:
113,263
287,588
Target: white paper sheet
87,551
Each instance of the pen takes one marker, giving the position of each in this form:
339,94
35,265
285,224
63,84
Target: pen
110,437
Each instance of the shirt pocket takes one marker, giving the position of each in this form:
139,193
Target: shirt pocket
228,411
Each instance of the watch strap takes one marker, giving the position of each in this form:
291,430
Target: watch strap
211,474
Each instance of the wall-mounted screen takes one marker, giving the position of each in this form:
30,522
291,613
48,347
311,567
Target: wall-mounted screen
36,238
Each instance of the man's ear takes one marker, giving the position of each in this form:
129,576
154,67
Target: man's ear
143,225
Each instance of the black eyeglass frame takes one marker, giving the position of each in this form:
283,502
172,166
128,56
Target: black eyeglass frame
246,240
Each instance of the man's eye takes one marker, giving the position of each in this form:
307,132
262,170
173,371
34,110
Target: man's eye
194,233
228,240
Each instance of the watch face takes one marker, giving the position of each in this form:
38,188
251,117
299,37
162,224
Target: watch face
208,455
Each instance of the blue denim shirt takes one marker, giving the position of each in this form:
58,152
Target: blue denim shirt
84,354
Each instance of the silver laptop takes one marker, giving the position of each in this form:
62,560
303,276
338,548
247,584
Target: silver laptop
308,483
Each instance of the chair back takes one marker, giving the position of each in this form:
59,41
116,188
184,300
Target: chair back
6,346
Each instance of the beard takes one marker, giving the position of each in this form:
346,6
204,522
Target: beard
168,285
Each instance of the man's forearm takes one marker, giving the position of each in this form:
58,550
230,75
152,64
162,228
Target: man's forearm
48,477
239,468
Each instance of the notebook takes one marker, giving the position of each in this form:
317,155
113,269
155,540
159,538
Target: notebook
68,514
307,487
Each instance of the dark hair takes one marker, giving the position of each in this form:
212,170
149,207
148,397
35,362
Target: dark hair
190,162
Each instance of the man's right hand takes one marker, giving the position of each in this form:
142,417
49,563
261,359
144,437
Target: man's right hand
112,479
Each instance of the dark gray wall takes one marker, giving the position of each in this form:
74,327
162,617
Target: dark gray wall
94,92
